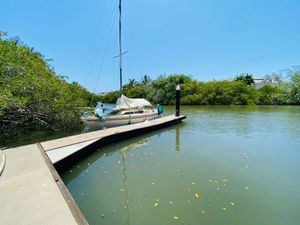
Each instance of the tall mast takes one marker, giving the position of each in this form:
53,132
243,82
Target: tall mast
120,44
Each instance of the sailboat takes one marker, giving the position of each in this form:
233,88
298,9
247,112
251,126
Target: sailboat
126,110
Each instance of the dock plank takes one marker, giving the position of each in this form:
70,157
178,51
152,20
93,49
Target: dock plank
76,139
29,194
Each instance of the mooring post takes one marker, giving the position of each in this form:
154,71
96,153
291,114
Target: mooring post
177,100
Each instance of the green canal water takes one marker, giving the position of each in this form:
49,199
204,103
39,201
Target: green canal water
223,165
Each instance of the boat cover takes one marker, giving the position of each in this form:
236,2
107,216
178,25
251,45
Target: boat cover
126,103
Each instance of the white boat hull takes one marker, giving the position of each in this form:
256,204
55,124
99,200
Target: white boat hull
91,121
119,120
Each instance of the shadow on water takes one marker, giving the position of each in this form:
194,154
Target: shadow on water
123,147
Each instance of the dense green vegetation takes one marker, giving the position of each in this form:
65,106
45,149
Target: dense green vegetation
237,92
33,96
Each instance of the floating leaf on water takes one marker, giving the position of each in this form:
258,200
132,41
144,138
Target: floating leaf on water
157,200
232,203
152,183
210,180
103,215
156,204
119,162
188,201
175,217
224,209
188,189
197,195
171,202
216,181
246,188
225,180
193,183
218,188
122,189
203,211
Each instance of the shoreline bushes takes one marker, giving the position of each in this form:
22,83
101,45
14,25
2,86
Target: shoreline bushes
33,96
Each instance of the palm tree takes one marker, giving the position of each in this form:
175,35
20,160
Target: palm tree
132,82
146,79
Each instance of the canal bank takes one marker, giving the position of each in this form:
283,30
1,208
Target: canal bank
31,190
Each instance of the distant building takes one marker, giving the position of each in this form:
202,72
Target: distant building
102,93
260,82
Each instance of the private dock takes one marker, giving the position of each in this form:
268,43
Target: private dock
31,190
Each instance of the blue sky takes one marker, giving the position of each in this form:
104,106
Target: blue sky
214,39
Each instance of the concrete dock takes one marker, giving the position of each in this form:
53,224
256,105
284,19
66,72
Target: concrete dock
29,194
31,190
65,151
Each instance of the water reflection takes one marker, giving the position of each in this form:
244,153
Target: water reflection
123,157
177,145
124,148
124,152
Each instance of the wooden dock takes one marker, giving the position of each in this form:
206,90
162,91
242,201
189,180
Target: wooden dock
31,190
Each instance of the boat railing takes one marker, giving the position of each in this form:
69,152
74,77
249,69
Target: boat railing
85,110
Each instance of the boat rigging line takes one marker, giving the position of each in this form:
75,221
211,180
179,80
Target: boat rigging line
102,60
111,19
